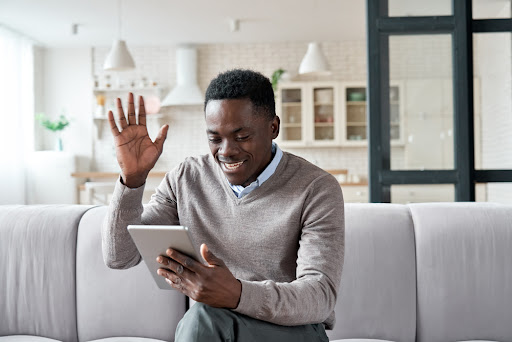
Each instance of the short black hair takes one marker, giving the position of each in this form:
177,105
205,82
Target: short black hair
243,84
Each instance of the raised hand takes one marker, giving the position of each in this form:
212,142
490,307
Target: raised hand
136,153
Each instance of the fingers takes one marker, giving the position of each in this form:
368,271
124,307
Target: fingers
171,278
160,139
131,110
171,265
120,114
142,112
113,126
186,261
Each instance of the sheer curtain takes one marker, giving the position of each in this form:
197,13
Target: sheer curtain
16,114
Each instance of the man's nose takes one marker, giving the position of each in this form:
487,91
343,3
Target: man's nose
228,148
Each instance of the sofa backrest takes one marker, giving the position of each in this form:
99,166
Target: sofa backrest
112,303
37,270
377,296
464,271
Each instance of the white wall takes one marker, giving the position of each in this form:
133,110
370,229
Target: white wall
67,84
63,86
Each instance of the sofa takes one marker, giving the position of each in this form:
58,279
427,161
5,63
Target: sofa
420,272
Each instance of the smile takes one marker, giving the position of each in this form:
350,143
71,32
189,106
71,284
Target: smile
233,166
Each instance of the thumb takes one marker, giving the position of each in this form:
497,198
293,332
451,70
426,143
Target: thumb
209,257
160,139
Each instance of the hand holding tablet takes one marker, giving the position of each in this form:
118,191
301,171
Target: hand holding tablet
153,241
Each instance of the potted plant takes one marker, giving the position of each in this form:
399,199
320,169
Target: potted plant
54,126
276,75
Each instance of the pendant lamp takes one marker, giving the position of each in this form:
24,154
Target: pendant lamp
314,62
119,58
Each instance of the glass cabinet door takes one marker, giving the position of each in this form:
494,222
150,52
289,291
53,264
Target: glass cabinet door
323,114
356,114
291,114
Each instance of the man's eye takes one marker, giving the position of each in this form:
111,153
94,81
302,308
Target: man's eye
214,140
242,138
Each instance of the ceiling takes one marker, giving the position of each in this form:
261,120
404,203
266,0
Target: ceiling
170,22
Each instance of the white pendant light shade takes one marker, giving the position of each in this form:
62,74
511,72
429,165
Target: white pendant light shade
119,58
314,62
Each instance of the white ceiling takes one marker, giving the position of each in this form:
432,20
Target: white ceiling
170,22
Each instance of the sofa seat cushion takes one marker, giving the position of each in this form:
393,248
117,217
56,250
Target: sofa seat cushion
26,338
359,340
127,339
377,294
464,271
119,302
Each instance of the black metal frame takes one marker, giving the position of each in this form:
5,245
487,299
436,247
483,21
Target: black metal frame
462,26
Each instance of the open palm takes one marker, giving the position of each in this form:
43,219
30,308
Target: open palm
136,153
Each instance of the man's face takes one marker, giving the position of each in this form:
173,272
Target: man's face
240,139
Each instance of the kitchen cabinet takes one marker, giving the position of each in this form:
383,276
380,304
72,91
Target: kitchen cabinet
429,124
355,193
310,114
355,119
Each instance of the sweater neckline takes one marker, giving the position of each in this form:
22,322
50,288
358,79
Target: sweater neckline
268,184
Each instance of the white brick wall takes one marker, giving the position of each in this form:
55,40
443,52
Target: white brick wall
416,59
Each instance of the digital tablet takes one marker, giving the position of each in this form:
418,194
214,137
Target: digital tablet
152,241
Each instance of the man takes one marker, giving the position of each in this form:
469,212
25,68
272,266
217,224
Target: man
270,223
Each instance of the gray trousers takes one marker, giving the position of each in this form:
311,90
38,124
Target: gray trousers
204,323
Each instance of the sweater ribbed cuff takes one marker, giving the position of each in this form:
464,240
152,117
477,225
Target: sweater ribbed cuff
252,300
125,198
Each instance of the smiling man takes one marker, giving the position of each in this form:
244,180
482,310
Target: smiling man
270,224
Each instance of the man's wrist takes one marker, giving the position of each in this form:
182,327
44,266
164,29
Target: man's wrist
239,296
133,182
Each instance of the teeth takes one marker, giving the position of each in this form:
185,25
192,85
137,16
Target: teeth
233,166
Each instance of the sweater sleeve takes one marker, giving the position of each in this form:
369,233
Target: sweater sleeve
119,250
311,297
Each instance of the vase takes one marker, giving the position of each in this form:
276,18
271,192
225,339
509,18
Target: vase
58,144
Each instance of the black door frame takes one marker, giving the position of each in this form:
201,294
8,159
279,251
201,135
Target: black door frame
461,26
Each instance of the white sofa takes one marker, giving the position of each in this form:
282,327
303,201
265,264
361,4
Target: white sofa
422,272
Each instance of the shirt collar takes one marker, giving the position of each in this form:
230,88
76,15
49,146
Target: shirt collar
241,191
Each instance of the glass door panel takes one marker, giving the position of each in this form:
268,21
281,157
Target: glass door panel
323,113
291,112
356,114
422,64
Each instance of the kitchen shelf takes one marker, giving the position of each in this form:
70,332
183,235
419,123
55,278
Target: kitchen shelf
324,124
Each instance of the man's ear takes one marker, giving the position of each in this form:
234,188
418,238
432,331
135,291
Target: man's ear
275,126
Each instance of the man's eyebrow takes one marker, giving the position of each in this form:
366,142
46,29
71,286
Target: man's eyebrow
209,131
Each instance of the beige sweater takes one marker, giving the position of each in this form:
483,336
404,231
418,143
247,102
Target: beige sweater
284,241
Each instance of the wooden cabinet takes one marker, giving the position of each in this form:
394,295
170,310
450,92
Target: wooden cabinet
355,118
310,114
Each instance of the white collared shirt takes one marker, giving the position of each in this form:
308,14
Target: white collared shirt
240,191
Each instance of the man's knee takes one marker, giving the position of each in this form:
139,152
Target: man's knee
205,323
